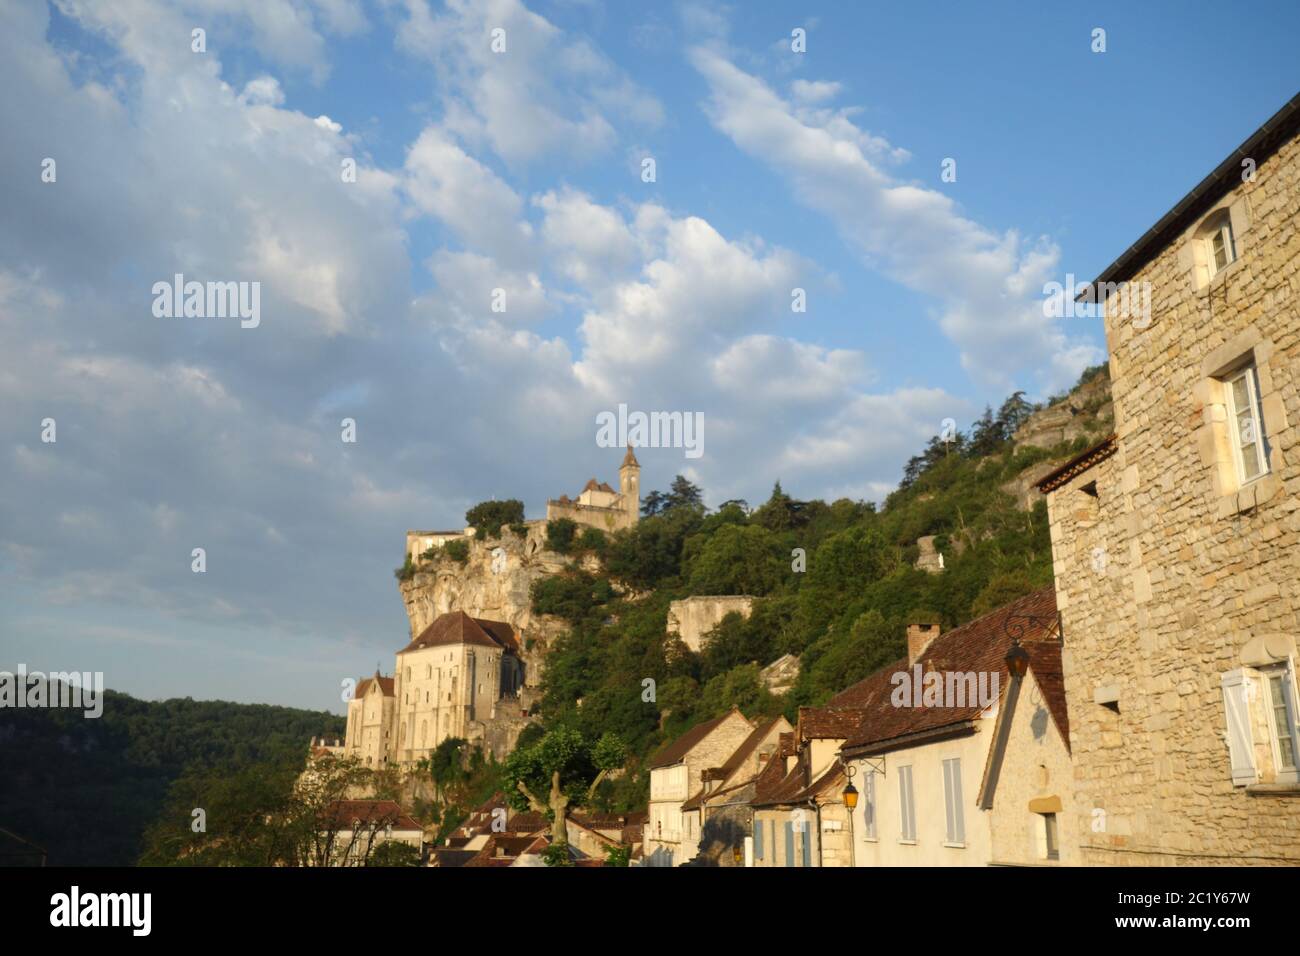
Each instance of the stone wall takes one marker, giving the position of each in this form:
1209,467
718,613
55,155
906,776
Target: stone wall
694,617
1175,574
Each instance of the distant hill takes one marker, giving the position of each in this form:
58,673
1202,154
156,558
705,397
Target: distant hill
85,789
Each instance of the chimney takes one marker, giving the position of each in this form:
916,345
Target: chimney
919,637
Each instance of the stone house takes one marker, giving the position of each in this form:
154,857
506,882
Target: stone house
1176,541
799,813
721,810
956,761
676,773
354,829
600,506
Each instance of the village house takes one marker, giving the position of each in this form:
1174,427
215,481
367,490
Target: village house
971,766
800,818
352,830
720,811
676,773
1176,541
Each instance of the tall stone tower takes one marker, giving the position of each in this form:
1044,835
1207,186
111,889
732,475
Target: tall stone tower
629,484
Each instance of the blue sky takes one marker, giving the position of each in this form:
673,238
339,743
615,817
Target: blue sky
520,170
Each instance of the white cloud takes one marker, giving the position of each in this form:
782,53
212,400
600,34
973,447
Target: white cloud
988,283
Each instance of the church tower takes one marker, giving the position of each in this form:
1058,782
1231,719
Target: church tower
629,484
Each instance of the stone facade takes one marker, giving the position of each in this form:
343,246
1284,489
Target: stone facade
1175,571
692,618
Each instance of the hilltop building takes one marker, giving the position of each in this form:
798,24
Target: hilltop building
600,506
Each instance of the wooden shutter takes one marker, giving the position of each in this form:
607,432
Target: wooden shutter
789,843
1237,689
758,840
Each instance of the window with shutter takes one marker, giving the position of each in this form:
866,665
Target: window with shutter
1282,722
1237,690
955,822
906,808
758,840
789,843
807,846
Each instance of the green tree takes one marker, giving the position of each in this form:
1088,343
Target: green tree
560,534
487,517
559,773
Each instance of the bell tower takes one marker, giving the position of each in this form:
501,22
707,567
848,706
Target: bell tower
629,484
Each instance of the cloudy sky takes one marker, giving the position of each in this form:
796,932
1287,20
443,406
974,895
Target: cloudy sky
522,169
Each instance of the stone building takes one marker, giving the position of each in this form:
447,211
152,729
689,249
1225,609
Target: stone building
1176,541
460,677
693,617
676,773
600,506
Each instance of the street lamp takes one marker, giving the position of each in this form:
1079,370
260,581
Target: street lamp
736,854
1017,660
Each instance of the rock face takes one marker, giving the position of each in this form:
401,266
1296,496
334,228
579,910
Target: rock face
928,559
1068,419
494,584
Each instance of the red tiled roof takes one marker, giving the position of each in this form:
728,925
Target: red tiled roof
344,813
676,751
828,723
979,647
457,627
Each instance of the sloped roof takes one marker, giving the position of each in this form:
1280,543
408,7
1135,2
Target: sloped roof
457,627
979,647
676,751
629,458
385,685
343,813
833,723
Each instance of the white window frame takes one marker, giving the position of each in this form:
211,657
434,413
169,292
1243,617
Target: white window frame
954,818
1249,374
1224,232
906,806
1284,673
1051,837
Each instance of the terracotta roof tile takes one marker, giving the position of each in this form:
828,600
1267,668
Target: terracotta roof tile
980,647
457,627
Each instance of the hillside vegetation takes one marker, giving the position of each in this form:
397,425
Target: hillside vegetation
845,613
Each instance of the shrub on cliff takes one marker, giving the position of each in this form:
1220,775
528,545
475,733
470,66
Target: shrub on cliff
489,516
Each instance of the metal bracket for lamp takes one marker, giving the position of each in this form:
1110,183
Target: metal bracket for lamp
1016,625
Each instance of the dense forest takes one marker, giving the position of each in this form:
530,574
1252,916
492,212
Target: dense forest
836,584
86,790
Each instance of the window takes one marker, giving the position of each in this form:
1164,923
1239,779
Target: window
758,840
807,847
906,808
1246,423
1049,836
789,843
1222,250
869,806
1282,713
956,824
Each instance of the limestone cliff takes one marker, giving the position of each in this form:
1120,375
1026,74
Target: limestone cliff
495,584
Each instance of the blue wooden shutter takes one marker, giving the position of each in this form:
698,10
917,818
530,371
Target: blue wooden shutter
789,843
758,840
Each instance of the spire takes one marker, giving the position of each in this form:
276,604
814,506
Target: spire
629,458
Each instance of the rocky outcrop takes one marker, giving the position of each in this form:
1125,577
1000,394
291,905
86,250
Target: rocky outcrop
928,559
1076,415
780,675
495,583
